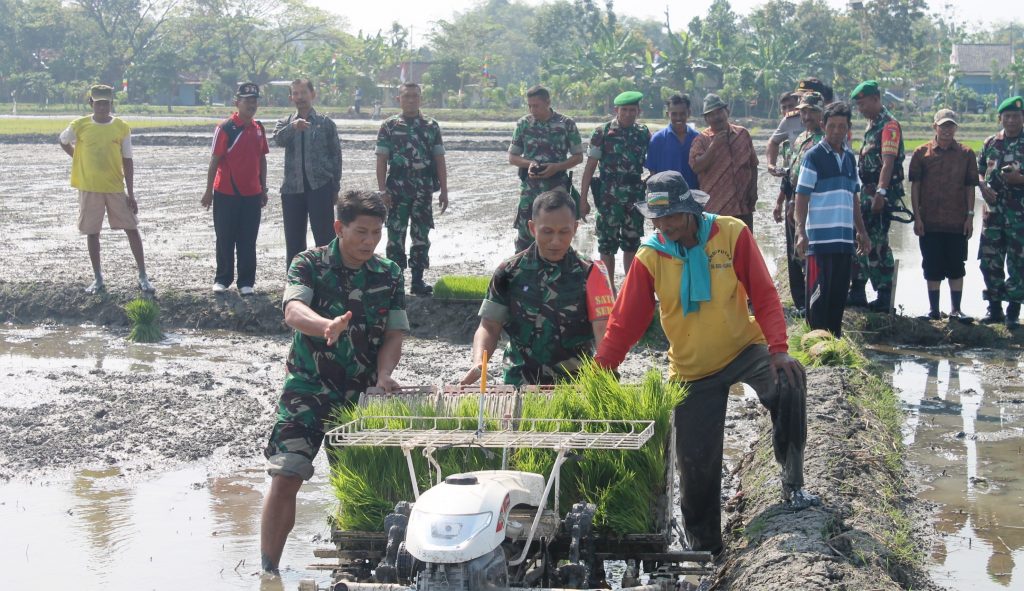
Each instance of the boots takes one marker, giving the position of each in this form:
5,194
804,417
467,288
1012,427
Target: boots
856,298
882,304
995,313
1013,315
418,287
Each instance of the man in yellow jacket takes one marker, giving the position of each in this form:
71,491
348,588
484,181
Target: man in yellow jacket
703,268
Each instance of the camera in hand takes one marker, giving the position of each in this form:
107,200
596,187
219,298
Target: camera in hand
536,169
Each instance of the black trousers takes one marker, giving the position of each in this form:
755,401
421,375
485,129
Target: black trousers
236,220
795,266
700,429
828,282
317,206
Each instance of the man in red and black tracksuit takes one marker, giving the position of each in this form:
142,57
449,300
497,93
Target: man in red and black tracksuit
236,186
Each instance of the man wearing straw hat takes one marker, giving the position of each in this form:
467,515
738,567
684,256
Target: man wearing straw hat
702,267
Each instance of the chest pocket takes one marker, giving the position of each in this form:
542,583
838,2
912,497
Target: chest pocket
369,306
559,316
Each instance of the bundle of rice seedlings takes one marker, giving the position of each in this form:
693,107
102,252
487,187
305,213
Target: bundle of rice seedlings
145,316
625,485
461,287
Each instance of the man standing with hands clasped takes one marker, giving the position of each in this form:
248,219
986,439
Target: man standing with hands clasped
312,170
236,186
943,175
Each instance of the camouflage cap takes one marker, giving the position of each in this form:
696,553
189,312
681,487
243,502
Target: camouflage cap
1014,103
812,100
630,97
945,116
866,88
101,92
713,102
667,193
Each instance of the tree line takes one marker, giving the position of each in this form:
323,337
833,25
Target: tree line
51,50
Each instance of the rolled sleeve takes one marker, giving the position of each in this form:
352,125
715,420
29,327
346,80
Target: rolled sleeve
492,310
67,137
437,150
594,152
397,320
515,149
576,149
297,292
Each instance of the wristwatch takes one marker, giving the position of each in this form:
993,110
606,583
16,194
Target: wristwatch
882,192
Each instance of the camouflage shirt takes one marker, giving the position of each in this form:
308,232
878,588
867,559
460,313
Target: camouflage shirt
547,310
410,145
546,142
375,295
884,136
621,150
997,152
803,142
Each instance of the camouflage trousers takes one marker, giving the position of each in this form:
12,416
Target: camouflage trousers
411,210
524,213
303,409
619,224
878,265
1001,254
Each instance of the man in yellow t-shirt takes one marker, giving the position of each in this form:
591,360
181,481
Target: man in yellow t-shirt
100,147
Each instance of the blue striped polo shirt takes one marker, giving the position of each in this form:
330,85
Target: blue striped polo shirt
830,178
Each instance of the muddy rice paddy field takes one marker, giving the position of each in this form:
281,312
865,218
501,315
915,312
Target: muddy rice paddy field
134,466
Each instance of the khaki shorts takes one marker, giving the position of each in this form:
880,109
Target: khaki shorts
92,205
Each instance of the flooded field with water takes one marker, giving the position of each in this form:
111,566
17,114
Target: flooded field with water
143,468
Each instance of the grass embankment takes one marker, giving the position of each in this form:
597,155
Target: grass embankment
369,481
881,414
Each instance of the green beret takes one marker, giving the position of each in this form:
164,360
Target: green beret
866,88
1014,103
630,97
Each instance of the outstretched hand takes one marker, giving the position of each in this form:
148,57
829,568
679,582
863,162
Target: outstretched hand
472,376
337,327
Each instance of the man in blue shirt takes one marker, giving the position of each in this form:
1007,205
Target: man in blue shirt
829,227
670,147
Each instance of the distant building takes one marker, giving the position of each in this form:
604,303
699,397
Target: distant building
973,64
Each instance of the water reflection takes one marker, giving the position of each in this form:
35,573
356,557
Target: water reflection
180,530
967,436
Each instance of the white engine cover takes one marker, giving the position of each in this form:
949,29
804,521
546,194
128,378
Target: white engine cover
453,523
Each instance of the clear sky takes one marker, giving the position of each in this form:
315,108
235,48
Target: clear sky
419,14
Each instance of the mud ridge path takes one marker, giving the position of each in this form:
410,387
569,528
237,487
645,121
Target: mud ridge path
863,534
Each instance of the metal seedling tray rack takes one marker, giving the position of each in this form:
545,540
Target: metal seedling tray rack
440,432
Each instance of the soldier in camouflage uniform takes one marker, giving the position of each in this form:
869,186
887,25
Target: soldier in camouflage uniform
619,147
880,166
1002,234
410,168
539,147
552,302
347,306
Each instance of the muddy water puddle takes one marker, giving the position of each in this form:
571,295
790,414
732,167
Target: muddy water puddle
965,432
185,529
